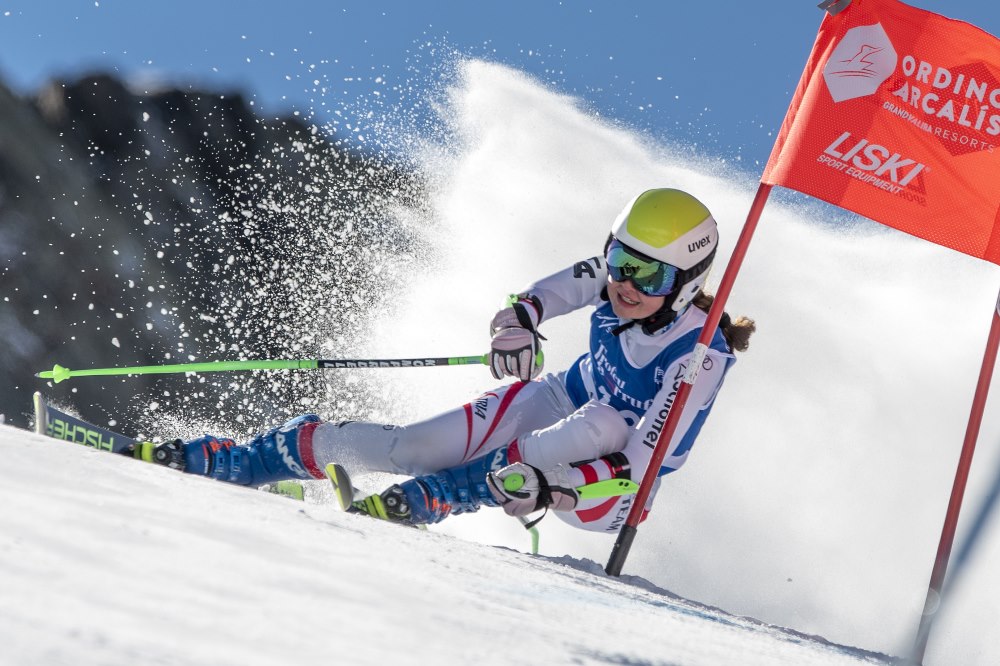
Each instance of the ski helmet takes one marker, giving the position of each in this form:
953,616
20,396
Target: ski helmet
676,229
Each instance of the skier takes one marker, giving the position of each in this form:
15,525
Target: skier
597,420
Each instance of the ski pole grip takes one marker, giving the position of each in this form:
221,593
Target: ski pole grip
513,483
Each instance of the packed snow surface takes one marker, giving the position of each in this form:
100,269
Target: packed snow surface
105,560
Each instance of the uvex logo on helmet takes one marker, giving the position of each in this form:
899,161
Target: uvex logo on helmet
860,63
694,246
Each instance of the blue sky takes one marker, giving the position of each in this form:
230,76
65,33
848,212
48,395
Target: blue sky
714,76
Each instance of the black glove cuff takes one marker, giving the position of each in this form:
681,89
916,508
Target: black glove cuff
523,318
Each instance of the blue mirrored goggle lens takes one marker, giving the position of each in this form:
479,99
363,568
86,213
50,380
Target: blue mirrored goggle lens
651,277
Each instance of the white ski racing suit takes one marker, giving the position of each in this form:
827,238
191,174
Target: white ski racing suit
604,414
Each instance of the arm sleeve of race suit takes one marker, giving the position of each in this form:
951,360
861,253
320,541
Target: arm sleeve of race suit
570,289
608,515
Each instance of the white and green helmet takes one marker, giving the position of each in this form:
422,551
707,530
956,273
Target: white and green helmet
675,228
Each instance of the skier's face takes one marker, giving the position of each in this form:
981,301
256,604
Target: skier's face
630,303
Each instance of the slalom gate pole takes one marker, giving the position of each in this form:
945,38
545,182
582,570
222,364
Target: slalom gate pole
59,373
933,600
628,531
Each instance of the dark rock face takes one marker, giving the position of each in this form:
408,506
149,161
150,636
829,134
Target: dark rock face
147,227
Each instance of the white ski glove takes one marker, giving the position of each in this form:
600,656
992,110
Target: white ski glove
516,346
522,489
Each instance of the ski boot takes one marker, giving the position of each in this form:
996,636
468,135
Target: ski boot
424,499
172,454
282,453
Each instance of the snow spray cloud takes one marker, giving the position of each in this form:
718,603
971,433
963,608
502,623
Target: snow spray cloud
815,494
262,239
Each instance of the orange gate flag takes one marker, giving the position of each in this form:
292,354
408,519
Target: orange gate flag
897,118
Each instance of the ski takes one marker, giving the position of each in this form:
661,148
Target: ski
343,491
287,488
58,424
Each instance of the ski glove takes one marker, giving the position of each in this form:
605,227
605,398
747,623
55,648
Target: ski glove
516,347
521,489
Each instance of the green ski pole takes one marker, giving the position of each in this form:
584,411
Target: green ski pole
59,373
598,489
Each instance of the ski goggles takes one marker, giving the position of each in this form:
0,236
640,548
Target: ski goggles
651,277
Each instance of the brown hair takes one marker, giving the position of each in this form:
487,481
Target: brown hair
736,331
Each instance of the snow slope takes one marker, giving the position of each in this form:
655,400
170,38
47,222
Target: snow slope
104,560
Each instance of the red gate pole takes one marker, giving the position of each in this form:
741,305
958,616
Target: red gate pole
933,600
628,531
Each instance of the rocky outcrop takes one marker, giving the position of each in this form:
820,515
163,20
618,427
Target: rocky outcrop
157,226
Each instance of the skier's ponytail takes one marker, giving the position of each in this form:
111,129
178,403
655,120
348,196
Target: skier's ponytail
736,331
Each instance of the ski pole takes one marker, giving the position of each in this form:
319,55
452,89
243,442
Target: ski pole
59,373
606,488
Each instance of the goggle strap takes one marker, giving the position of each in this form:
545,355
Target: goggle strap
689,274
